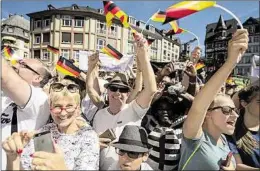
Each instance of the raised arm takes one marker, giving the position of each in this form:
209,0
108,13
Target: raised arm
92,85
14,86
193,125
138,84
145,97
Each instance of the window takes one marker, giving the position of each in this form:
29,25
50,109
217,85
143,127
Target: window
47,22
256,39
76,55
65,53
153,53
100,43
251,29
37,38
37,54
141,24
255,48
151,28
46,37
130,49
66,38
66,20
101,27
130,35
45,55
25,55
164,52
79,21
132,20
112,30
37,24
10,29
25,34
78,38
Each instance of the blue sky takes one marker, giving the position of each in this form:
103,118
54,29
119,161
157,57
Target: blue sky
142,10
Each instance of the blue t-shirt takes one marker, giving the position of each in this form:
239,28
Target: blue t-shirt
253,159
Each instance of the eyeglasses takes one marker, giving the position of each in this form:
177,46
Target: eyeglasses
121,90
57,87
59,109
226,110
130,154
24,65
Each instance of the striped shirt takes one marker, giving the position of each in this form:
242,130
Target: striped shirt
165,143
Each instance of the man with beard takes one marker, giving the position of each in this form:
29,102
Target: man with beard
164,127
119,113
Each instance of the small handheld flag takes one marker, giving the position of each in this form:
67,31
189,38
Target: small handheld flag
112,10
53,49
66,67
8,52
112,52
186,8
159,16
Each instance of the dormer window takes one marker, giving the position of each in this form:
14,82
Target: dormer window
75,6
132,20
10,29
100,11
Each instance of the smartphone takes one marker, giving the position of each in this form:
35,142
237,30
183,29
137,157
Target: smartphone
109,133
228,159
43,142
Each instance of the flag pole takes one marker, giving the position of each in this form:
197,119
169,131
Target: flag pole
232,14
239,23
148,21
194,36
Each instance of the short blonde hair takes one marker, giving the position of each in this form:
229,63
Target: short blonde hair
54,96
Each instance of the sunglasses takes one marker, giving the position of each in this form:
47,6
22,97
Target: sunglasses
24,65
130,154
57,87
121,90
226,110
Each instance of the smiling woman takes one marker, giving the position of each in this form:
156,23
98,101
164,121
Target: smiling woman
75,143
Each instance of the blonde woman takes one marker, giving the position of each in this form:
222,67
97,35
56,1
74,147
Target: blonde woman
76,145
204,147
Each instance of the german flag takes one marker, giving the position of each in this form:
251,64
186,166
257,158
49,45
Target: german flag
112,52
159,16
172,32
112,10
53,49
8,52
175,25
199,66
66,67
230,81
186,8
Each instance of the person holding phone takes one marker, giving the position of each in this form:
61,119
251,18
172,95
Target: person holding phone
68,143
204,146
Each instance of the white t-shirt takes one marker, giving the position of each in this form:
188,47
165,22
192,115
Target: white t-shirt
32,117
131,114
87,106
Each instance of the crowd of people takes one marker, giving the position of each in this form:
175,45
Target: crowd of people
163,119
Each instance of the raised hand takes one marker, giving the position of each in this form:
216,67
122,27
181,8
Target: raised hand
93,60
168,69
190,70
237,46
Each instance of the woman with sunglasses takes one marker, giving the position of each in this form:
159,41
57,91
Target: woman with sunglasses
245,141
76,145
132,149
204,147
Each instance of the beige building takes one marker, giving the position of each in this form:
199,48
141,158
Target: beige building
15,33
75,28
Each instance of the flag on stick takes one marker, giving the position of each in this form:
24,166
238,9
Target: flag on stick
159,16
186,8
112,52
66,67
8,52
53,49
112,10
199,66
